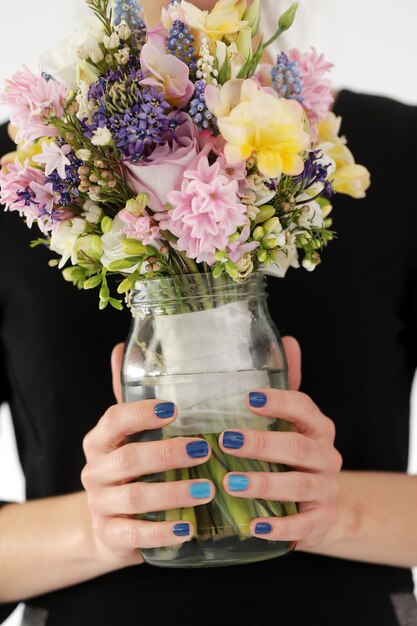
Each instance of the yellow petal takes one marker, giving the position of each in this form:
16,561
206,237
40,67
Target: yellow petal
269,163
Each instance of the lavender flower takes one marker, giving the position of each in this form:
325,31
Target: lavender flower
198,110
181,43
66,190
286,78
131,12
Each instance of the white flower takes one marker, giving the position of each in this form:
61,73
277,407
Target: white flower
111,42
96,55
54,157
284,259
256,184
64,237
101,137
311,215
62,61
122,56
92,212
83,154
113,245
123,30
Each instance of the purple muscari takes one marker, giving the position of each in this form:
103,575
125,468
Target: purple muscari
315,172
198,110
131,12
66,190
181,43
286,78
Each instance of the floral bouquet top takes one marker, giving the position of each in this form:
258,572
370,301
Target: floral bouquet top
149,152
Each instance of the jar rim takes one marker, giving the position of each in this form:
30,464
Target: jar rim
200,286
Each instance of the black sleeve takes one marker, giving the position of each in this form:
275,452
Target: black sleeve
412,304
5,146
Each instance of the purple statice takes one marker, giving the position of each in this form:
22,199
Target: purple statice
66,190
198,110
181,43
286,78
315,172
131,12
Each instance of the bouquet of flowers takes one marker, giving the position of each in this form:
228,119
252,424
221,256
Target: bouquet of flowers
155,152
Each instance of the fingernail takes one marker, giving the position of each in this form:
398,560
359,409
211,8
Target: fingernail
197,449
165,410
181,530
200,490
263,528
237,482
233,440
257,399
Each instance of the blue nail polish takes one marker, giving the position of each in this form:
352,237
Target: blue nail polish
181,530
257,399
165,410
237,482
197,449
200,490
263,528
233,440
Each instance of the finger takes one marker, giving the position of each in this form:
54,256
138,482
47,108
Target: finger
279,486
142,497
122,420
139,459
124,533
291,528
293,352
116,366
289,448
292,406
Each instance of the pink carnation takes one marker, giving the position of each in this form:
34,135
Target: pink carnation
23,189
206,211
140,227
29,98
317,95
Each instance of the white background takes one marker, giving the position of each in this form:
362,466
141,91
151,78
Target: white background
372,44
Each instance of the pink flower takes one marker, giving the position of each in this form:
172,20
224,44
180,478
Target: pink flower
317,96
206,211
54,157
30,98
157,36
167,73
140,227
237,249
164,170
233,172
23,189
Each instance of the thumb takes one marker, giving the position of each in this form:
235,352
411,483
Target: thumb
116,366
293,352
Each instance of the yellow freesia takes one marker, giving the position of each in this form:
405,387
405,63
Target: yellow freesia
349,177
223,21
25,153
268,128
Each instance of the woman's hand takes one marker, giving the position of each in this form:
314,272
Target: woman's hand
112,466
309,451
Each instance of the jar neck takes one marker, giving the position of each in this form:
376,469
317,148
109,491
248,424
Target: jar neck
193,292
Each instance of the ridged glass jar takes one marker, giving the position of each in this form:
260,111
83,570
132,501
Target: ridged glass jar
203,343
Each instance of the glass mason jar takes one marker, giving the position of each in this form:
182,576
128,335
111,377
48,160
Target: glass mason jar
203,343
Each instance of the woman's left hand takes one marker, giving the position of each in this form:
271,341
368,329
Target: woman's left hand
309,451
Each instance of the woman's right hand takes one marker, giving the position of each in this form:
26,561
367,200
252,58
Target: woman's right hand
113,466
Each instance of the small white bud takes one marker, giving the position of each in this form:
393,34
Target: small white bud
96,55
83,154
111,42
124,31
101,137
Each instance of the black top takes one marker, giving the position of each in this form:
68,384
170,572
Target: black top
355,317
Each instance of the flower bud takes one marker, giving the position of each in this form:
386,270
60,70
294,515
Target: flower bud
252,16
96,55
258,233
83,155
111,42
265,213
287,19
137,205
106,224
272,225
123,30
133,247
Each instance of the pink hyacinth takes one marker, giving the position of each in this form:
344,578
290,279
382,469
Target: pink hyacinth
317,95
237,249
23,189
30,98
206,211
140,227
